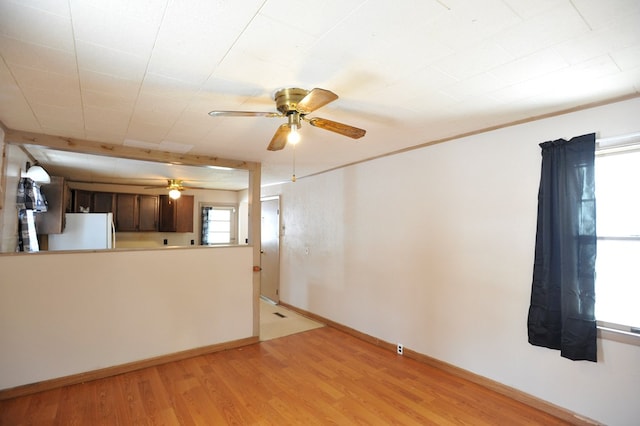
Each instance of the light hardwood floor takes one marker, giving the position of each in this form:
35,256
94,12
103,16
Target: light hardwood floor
317,377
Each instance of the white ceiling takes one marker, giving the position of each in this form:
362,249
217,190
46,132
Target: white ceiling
147,72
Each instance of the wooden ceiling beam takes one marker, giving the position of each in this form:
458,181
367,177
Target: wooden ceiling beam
121,151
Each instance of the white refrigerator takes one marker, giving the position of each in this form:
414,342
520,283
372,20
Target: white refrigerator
85,231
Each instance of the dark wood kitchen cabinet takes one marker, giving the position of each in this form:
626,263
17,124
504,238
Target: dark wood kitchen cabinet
148,213
95,202
104,202
136,213
176,215
126,212
81,200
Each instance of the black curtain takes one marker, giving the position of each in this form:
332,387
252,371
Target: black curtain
204,237
561,314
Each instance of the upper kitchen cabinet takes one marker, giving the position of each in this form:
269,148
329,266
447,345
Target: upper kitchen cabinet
81,201
136,213
104,202
176,215
127,212
148,213
93,202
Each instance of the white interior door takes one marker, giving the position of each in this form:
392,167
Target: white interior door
270,249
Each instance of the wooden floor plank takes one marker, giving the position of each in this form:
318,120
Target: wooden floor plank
318,377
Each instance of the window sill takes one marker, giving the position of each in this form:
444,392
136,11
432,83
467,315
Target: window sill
617,335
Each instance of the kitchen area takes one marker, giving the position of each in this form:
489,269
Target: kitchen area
89,210
79,219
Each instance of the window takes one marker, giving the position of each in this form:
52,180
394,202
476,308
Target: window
617,175
218,224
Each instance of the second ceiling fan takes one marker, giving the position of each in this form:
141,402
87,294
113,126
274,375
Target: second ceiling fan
295,104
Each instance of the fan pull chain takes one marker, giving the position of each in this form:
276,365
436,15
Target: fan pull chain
293,177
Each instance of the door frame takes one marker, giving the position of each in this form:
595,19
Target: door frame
270,270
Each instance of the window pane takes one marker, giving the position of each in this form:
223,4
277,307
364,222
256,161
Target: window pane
219,226
618,282
217,214
617,194
618,215
219,237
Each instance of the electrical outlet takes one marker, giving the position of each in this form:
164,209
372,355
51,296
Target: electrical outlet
400,349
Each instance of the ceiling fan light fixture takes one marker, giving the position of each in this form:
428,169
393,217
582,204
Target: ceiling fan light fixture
294,136
294,125
174,194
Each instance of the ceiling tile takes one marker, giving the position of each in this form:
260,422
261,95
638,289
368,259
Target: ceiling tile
599,14
116,25
464,24
106,120
555,26
31,55
312,17
529,67
622,35
188,133
100,59
241,67
475,60
147,132
258,39
51,96
527,9
106,100
564,84
161,116
185,64
48,114
195,36
234,15
43,79
428,81
35,26
57,7
477,85
15,112
160,86
100,82
627,59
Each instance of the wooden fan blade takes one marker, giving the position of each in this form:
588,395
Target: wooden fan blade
244,114
315,99
279,139
334,126
186,187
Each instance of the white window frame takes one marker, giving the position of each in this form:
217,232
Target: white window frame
233,227
617,146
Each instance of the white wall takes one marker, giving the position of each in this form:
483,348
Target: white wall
68,313
433,248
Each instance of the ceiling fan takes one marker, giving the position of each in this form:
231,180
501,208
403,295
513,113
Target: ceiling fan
295,104
175,187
